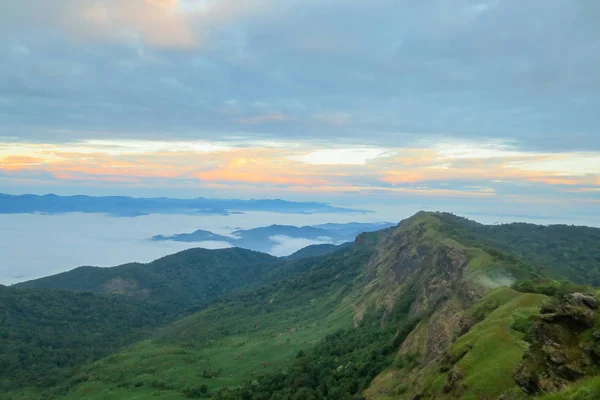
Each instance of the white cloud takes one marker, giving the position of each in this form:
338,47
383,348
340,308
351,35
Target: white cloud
573,164
348,156
288,245
462,150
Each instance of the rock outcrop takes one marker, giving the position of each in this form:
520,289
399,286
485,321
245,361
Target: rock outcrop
565,346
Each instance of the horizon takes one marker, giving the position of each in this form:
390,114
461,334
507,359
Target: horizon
489,217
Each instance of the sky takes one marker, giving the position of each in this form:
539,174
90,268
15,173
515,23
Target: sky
444,101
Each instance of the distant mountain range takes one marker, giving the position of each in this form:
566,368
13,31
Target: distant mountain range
265,238
122,206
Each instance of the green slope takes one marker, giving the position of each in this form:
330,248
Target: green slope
569,252
48,333
188,278
316,250
481,361
236,339
45,334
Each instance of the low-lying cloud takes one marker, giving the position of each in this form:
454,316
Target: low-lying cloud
287,245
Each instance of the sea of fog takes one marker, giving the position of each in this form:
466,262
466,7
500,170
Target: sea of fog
32,246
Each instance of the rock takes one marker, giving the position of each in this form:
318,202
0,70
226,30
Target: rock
578,307
554,355
453,379
549,307
580,299
526,379
560,353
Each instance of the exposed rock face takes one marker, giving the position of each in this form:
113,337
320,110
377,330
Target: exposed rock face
564,347
125,287
415,257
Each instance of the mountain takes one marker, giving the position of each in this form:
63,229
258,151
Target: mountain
352,229
199,235
433,308
122,206
186,279
317,250
566,251
266,238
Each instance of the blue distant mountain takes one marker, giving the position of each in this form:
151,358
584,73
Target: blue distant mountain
121,206
264,238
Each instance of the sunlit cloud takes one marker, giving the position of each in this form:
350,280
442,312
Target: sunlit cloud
473,171
175,24
350,156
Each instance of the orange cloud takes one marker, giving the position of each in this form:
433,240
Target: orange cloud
287,166
256,177
17,163
174,24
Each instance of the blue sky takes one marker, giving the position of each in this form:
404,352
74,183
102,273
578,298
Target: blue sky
452,100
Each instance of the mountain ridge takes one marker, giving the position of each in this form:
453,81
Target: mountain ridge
412,311
131,206
265,238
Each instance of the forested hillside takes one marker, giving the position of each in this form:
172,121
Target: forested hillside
45,334
570,252
439,307
190,278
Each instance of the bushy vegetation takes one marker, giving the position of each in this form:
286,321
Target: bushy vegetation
339,367
563,251
588,389
46,334
234,340
550,287
177,283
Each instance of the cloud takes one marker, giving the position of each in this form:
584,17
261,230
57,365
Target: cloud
479,170
437,98
176,24
262,119
287,245
434,70
351,156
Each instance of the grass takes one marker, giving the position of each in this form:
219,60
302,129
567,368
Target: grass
160,369
492,348
487,354
587,389
230,343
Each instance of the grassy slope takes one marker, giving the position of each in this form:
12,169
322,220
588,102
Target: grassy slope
250,334
487,354
588,389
